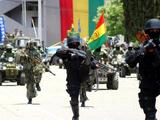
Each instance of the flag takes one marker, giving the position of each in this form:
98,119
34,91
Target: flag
2,29
98,37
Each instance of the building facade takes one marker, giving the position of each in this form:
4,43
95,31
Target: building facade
57,17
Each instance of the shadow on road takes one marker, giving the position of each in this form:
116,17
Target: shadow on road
26,104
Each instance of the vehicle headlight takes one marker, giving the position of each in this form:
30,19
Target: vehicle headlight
4,67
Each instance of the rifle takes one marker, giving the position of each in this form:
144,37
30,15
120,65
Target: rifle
38,60
80,53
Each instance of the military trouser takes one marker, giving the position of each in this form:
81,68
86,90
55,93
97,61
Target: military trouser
75,107
73,91
147,101
83,95
31,91
38,78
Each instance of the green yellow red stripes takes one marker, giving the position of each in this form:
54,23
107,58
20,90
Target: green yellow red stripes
97,33
93,5
78,11
98,42
98,36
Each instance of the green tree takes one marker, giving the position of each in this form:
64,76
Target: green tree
136,13
114,17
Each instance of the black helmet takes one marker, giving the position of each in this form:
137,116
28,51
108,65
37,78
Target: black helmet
73,41
152,24
152,28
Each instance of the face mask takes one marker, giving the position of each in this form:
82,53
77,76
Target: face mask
154,35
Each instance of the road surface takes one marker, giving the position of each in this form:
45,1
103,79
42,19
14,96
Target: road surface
52,103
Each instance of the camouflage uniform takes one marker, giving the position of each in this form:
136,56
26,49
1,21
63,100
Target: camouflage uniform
84,84
88,81
31,69
38,70
7,53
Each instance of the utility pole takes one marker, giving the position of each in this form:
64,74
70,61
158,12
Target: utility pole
24,13
40,20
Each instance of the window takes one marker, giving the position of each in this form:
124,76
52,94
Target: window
32,6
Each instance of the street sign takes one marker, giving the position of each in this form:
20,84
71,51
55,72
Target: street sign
2,29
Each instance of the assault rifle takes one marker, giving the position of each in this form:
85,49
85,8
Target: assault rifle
103,66
80,53
39,61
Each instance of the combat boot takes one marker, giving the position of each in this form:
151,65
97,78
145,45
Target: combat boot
83,104
151,116
30,101
38,87
75,110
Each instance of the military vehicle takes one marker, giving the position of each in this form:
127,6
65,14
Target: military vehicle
107,74
10,71
20,42
122,67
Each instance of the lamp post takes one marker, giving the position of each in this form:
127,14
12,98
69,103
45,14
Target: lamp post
40,20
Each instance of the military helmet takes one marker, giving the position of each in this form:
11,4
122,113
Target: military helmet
73,41
152,24
152,28
9,46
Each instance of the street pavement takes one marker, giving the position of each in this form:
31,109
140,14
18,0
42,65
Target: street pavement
52,103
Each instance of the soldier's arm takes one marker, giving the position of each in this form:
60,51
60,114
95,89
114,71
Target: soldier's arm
133,58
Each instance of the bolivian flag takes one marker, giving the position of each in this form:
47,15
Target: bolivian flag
98,37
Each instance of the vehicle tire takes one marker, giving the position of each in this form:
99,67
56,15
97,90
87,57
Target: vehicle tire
60,66
1,79
122,72
113,82
109,81
21,79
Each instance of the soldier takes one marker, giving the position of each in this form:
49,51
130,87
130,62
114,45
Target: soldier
130,50
30,65
86,80
73,62
38,76
8,53
148,58
117,50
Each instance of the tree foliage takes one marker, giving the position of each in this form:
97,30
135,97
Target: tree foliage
114,17
136,13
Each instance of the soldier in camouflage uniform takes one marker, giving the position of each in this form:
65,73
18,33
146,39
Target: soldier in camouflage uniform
117,50
88,80
7,52
84,85
38,67
32,69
